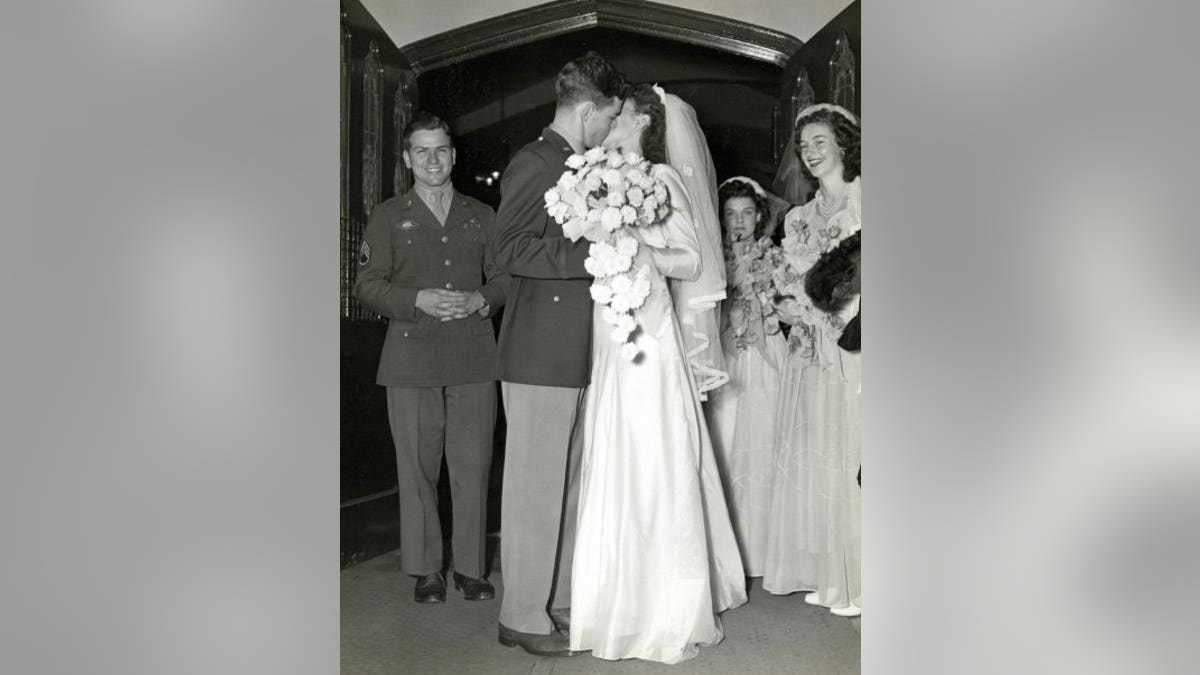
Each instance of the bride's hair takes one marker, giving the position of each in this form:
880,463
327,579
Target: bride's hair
654,135
849,139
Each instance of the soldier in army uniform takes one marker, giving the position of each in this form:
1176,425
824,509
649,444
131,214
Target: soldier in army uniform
426,264
545,363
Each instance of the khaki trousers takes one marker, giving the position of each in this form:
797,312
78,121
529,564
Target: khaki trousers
539,502
427,421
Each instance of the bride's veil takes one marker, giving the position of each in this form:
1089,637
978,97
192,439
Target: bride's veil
697,302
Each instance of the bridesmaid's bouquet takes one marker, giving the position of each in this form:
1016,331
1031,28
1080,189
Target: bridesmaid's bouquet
802,247
603,196
751,267
805,243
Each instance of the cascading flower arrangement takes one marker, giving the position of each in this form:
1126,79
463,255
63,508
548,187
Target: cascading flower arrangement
603,196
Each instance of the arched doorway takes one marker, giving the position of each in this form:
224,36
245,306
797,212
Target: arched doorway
499,102
494,81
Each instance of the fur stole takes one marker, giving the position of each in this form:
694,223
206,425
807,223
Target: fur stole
833,282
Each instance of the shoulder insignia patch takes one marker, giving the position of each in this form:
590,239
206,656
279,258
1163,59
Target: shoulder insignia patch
364,253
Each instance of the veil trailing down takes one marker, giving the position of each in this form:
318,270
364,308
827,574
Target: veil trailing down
696,302
656,558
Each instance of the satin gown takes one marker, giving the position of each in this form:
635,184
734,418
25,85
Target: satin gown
814,539
742,419
655,555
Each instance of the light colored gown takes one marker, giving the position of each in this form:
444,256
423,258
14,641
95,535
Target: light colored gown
814,540
742,415
655,555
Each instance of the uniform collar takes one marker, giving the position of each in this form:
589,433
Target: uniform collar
458,210
556,140
427,194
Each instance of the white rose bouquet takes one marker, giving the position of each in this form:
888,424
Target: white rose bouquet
602,196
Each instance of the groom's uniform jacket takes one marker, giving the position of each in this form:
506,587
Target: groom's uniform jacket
405,249
545,337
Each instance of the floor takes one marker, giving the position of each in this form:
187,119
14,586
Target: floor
384,631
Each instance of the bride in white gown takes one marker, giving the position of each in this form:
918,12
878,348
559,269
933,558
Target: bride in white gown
655,555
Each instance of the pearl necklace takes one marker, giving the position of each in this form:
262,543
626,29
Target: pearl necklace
828,208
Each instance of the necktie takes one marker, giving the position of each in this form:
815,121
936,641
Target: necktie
439,207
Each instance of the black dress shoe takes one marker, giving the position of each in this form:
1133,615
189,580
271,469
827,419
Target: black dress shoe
430,588
474,589
554,644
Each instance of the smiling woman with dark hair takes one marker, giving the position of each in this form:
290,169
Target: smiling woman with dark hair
814,539
840,130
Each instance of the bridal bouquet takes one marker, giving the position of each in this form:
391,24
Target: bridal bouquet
603,196
751,267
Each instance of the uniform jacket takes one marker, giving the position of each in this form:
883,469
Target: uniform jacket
545,338
405,250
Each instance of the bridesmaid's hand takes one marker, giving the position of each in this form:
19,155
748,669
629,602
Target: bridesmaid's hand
788,310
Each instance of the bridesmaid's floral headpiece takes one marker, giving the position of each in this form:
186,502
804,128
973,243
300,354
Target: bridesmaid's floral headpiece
743,179
830,107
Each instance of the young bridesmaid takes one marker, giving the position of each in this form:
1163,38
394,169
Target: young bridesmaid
742,412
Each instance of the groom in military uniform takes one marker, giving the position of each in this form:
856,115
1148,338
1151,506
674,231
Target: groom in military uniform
545,363
426,263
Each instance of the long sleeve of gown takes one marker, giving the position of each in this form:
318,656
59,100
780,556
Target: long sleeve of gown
680,259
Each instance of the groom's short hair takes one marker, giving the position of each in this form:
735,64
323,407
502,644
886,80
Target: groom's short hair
588,78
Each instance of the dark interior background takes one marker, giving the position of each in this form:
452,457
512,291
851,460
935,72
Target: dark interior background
500,102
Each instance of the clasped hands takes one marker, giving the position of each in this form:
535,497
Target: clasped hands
449,305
